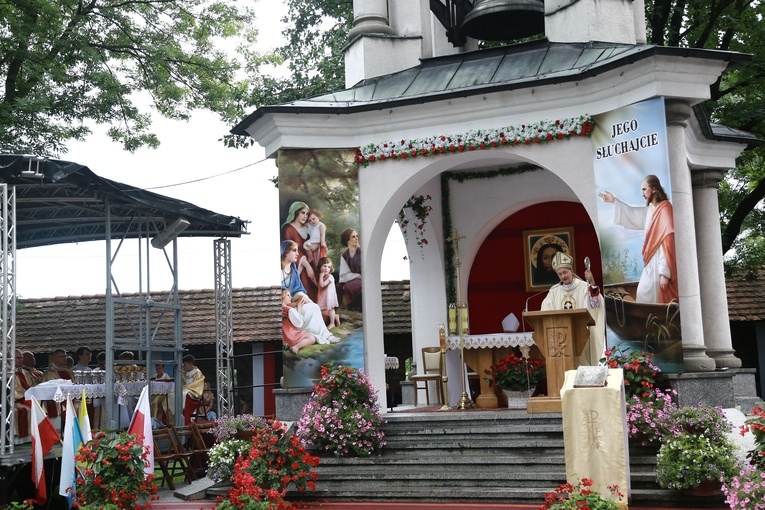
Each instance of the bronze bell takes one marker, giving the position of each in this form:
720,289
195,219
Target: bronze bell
504,20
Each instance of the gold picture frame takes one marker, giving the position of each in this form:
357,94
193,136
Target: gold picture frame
539,246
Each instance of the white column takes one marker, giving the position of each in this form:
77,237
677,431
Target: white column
714,305
694,350
370,17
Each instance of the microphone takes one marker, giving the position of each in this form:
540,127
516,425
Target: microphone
526,309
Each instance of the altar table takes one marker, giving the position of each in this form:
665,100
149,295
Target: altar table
480,354
126,392
61,389
391,363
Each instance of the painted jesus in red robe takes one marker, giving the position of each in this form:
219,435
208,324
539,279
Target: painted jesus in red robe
658,282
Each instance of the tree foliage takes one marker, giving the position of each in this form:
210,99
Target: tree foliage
67,63
737,100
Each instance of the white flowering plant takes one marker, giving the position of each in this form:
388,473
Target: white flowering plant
226,427
342,415
223,456
687,459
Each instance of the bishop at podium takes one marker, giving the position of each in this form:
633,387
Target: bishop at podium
573,292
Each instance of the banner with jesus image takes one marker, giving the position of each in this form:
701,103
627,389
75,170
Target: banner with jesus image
636,229
320,263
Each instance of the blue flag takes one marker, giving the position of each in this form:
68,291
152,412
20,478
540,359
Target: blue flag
72,442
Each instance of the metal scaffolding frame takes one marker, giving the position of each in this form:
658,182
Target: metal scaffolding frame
145,315
8,317
224,329
47,202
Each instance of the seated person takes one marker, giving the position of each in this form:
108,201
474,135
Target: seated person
160,405
193,386
207,408
99,416
83,359
101,360
57,370
26,378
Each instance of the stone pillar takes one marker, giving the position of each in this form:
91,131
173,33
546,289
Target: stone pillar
694,355
714,306
370,17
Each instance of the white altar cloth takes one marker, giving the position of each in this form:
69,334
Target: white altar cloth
60,389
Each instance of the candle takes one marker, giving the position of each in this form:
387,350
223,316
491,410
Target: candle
452,319
464,320
442,336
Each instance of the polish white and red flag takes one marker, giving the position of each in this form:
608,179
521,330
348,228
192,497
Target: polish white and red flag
140,425
44,436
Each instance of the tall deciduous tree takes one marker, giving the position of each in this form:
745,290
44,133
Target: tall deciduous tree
65,63
317,30
738,101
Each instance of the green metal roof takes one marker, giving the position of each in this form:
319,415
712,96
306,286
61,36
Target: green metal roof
484,71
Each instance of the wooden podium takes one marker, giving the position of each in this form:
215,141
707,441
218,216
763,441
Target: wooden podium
561,335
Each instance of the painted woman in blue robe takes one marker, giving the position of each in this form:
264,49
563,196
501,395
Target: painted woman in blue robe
313,321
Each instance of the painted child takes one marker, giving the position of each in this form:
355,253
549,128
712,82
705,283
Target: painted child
327,292
293,337
316,244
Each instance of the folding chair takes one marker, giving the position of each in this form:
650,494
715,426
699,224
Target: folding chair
192,447
205,428
166,456
184,442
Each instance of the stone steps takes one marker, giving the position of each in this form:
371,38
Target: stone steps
490,456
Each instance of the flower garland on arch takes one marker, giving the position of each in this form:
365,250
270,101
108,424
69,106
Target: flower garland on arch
421,208
525,134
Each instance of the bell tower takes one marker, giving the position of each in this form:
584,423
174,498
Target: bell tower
389,36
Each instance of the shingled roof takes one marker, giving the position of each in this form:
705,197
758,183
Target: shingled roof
746,298
68,322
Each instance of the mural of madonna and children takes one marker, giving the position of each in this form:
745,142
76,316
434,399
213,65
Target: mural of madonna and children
320,263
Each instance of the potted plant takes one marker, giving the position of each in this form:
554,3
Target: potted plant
276,460
353,428
241,426
756,425
746,490
113,473
582,495
640,374
702,419
649,420
517,376
695,462
223,456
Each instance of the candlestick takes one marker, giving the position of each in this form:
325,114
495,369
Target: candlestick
464,320
442,337
452,319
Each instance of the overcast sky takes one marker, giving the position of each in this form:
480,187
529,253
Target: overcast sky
189,151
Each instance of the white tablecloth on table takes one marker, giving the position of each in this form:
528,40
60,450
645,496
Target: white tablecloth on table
492,340
60,390
391,363
485,341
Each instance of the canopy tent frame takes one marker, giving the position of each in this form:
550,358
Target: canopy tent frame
48,202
